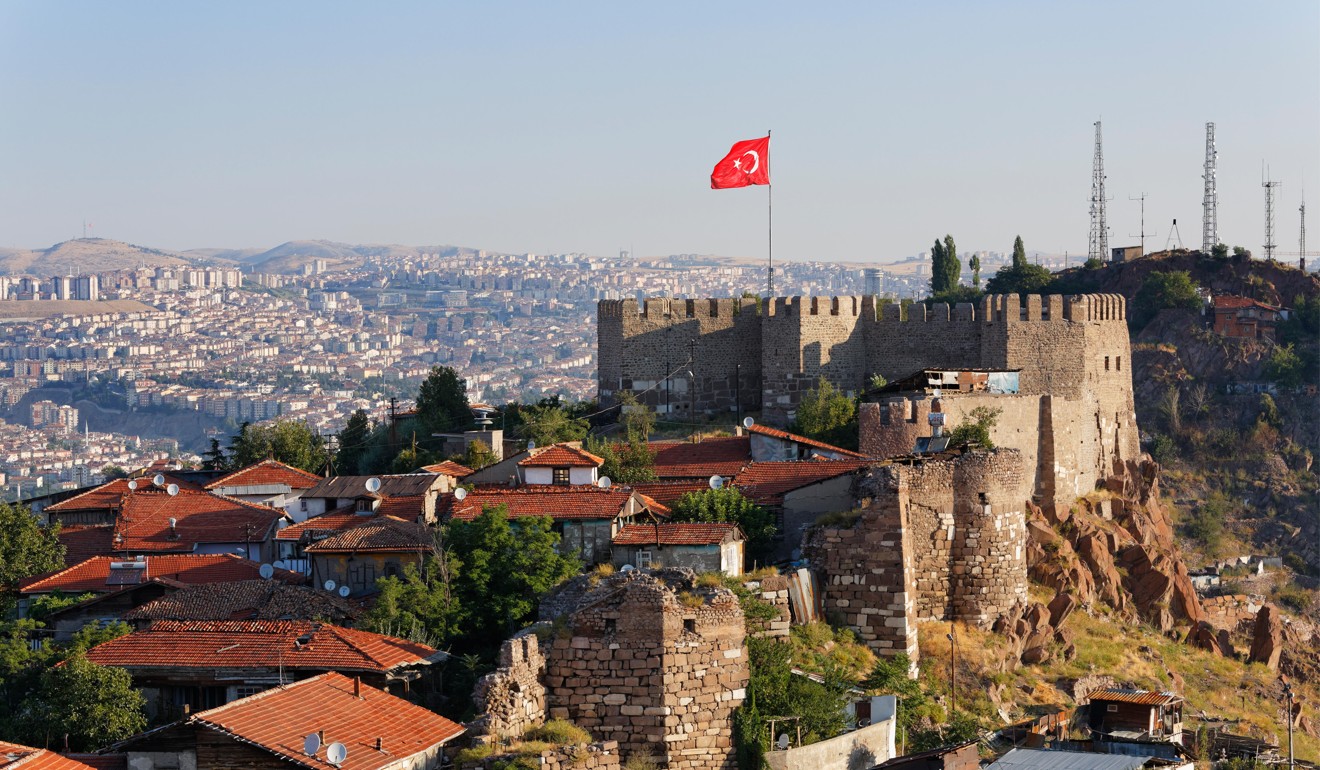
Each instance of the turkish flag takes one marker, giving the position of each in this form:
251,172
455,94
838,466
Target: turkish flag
747,163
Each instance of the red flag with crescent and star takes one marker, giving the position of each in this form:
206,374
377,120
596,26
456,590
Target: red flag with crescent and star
746,164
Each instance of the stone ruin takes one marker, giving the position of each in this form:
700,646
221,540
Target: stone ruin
939,538
647,660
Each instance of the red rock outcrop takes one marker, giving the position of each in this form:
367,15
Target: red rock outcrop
1267,639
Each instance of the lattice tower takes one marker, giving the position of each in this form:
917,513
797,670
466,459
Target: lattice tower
1099,243
1270,186
1210,204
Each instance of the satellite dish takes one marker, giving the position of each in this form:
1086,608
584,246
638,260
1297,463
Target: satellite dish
782,743
344,591
604,482
158,479
132,484
748,422
336,753
267,571
716,482
172,490
530,445
311,744
173,522
373,485
460,494
330,585
281,564
627,568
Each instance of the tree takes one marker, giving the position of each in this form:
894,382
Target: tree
213,459
1285,367
1019,253
442,405
26,549
637,419
478,455
729,505
506,567
626,463
93,705
419,606
826,414
1162,290
353,441
975,432
1093,263
975,264
1021,276
110,472
773,688
1219,251
291,442
945,268
548,425
889,676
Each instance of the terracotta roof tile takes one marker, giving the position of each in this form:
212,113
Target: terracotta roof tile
766,483
561,503
668,492
96,574
1231,302
268,472
247,600
327,523
82,542
811,442
277,720
449,468
560,456
685,460
684,533
258,644
201,517
377,533
14,756
109,495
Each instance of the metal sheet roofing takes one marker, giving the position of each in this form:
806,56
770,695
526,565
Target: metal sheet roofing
1036,759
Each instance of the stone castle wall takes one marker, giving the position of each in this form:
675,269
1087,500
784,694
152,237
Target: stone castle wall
512,698
658,669
942,538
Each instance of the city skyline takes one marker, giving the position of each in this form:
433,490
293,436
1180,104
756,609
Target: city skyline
593,129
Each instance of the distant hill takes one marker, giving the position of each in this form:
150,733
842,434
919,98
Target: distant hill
289,258
85,255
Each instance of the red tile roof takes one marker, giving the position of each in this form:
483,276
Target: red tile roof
684,460
278,720
795,438
668,492
96,574
377,533
201,517
267,472
109,495
684,533
449,468
561,456
327,523
766,483
1231,302
15,756
562,503
248,600
82,542
258,644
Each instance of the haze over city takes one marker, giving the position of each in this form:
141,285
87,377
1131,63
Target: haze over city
593,127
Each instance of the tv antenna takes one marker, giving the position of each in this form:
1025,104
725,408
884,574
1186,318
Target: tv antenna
1143,222
1270,185
1099,242
1210,203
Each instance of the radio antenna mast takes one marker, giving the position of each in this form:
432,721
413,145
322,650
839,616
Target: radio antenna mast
1269,185
1210,204
1099,242
1143,223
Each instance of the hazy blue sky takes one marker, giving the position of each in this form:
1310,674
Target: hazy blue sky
593,126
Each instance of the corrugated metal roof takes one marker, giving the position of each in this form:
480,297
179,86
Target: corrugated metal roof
1036,759
1139,697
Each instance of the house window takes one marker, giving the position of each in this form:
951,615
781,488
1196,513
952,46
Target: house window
302,505
560,476
391,570
690,625
1118,363
643,559
247,690
364,505
1106,363
611,625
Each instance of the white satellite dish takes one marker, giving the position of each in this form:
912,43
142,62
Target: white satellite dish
627,568
266,571
460,494
344,591
748,422
311,744
530,445
132,484
330,585
336,753
373,485
172,490
716,482
782,743
158,479
605,482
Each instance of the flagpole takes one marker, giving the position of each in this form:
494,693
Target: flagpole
770,238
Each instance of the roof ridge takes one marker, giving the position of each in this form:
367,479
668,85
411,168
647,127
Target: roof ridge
267,462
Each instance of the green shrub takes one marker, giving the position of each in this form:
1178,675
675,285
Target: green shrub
473,754
560,732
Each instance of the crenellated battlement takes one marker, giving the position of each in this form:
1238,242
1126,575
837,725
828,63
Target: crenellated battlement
661,308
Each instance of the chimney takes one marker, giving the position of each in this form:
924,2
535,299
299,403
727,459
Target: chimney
320,735
380,744
357,687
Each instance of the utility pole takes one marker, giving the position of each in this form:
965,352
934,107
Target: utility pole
953,662
1288,700
1143,222
1210,203
1301,237
1270,185
1099,242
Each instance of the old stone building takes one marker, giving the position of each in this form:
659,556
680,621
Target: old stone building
938,538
